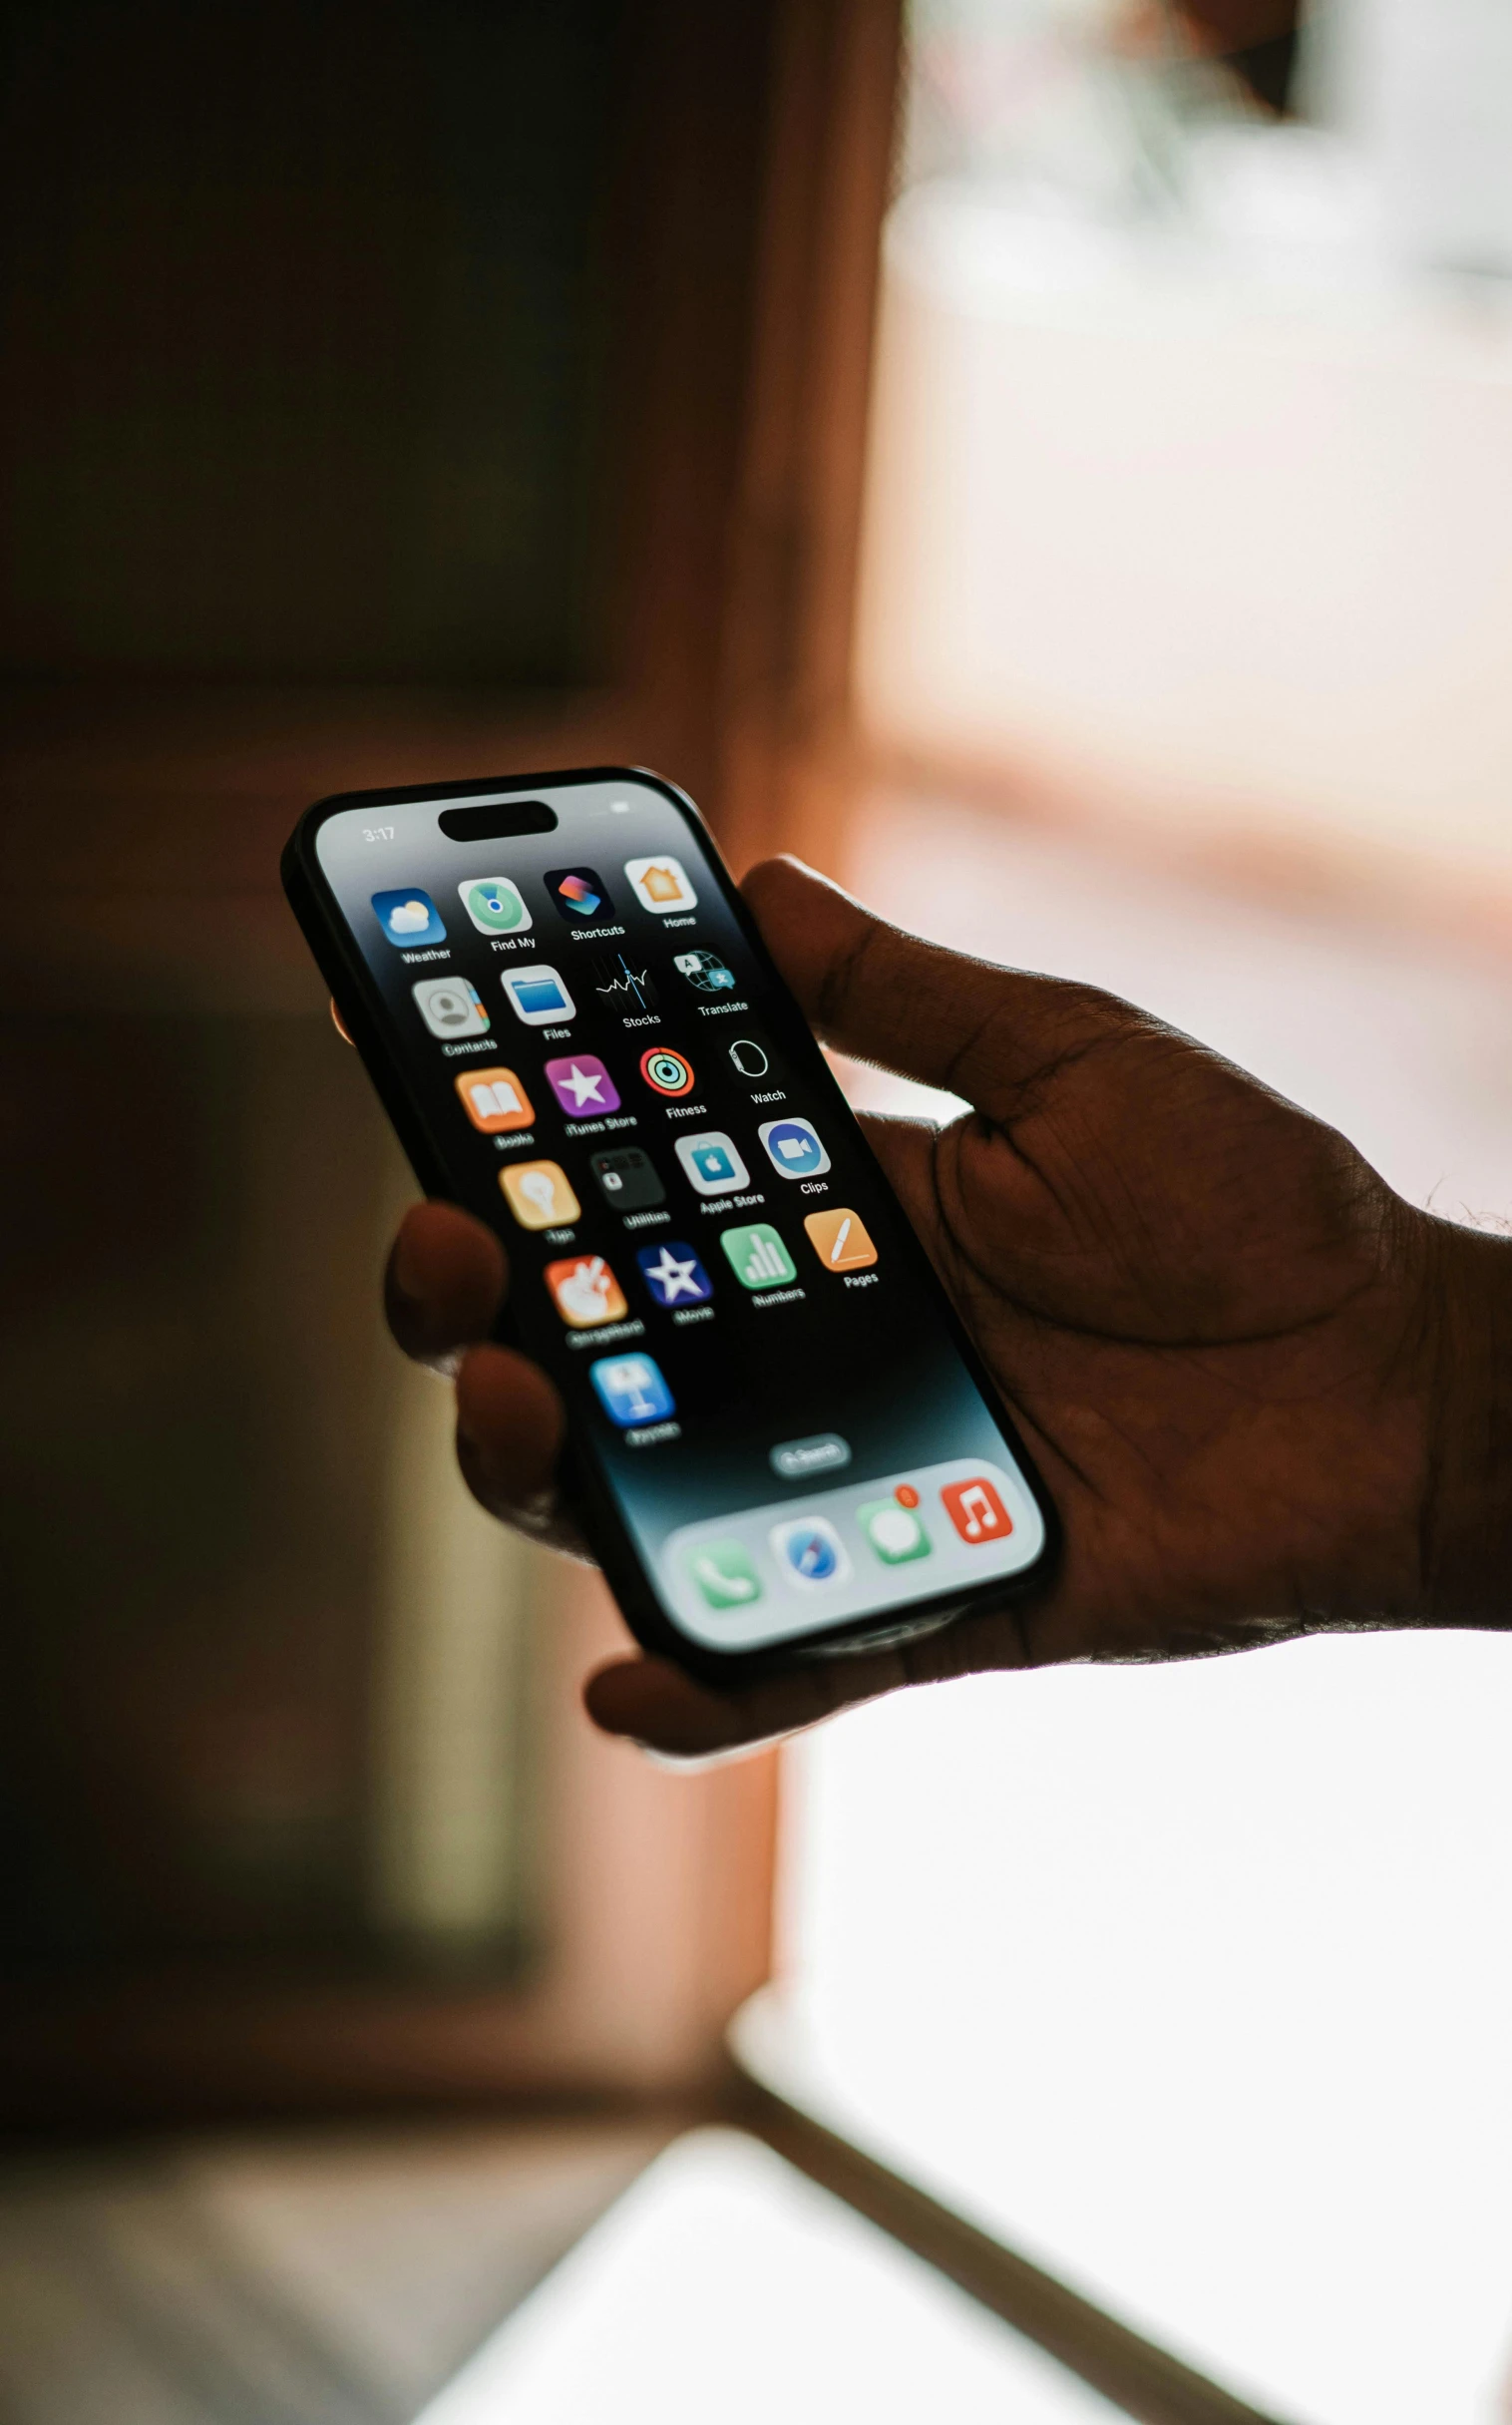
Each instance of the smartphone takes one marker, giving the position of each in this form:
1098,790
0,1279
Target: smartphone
781,1443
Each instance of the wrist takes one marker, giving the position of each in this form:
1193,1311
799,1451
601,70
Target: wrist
1467,1526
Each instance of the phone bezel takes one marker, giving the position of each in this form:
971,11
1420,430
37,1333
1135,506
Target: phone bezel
584,1487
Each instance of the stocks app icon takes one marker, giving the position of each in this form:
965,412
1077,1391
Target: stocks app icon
624,985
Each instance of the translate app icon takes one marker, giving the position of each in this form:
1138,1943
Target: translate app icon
632,1390
673,1274
409,916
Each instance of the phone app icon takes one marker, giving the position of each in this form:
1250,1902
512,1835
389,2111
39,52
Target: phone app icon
750,1061
712,1161
810,1552
624,985
757,1256
451,1007
632,1390
585,1292
705,972
628,1179
579,892
540,1195
841,1240
495,1100
667,1071
675,1275
583,1085
976,1510
409,916
725,1574
661,884
538,996
495,906
894,1528
794,1148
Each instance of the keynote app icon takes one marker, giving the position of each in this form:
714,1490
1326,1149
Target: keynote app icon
581,1085
409,916
579,892
632,1390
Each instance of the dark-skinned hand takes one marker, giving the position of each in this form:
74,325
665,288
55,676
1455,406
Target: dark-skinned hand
1261,1388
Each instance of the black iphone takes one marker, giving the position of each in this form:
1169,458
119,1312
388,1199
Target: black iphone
781,1442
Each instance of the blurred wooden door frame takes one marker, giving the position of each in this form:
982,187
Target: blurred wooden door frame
754,188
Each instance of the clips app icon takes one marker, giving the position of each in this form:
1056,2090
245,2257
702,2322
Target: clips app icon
451,1007
409,916
794,1148
579,892
494,905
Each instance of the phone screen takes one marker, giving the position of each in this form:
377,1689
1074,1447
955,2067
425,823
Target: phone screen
704,1253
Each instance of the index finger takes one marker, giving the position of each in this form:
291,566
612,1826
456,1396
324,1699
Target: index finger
891,998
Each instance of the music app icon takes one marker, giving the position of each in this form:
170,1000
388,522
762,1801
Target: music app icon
975,1510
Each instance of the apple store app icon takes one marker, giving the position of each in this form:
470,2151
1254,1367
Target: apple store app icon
408,917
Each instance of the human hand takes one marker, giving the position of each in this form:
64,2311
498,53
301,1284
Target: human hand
1255,1379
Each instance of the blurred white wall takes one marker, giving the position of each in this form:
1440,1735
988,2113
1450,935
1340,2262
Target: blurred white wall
1214,527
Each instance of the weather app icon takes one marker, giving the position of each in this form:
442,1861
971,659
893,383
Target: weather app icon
409,916
675,1275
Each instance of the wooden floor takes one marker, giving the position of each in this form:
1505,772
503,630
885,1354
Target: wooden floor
331,2277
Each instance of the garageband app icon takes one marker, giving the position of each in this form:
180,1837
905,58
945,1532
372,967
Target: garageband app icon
628,1179
451,1007
495,1100
666,1072
661,884
673,1274
409,916
794,1148
538,996
579,892
977,1510
581,1085
626,985
585,1292
494,905
705,972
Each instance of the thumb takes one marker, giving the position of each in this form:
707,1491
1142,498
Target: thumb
887,997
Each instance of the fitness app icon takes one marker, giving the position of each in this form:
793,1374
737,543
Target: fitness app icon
409,916
495,906
667,1071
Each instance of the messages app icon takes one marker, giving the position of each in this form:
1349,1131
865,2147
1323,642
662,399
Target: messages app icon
409,916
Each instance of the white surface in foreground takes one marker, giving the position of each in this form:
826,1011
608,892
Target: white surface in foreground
726,2285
